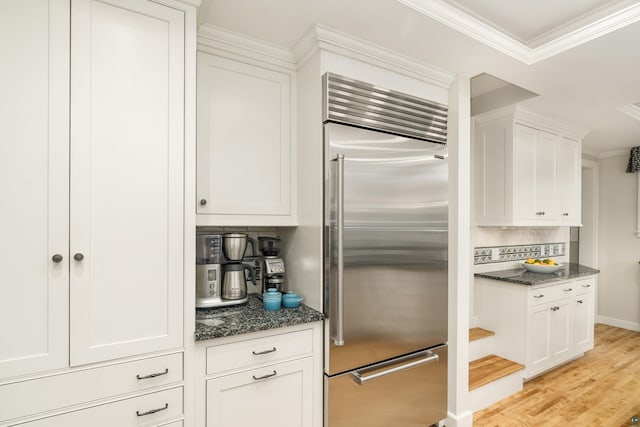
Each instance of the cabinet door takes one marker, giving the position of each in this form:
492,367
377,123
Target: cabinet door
244,152
560,332
127,145
569,181
582,318
272,396
34,176
535,175
525,188
546,198
538,343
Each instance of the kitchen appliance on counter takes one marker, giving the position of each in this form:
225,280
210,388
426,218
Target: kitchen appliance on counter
272,268
273,273
220,272
385,256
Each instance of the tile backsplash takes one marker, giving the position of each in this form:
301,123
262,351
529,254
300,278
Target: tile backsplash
495,254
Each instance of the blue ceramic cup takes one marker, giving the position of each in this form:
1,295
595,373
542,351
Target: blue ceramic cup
291,300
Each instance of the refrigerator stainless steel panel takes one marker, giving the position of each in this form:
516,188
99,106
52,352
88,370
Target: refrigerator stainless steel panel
412,397
394,208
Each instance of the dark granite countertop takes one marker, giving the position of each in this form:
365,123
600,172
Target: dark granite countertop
524,277
250,317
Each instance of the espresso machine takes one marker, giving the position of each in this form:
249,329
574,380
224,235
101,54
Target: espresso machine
271,265
220,272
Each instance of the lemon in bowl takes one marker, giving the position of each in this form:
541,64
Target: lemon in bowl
546,265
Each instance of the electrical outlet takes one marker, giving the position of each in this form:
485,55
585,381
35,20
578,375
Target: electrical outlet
495,254
543,250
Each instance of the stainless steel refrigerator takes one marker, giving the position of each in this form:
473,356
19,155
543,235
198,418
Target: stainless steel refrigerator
385,257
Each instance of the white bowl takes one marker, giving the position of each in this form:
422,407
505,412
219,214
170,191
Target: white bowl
541,268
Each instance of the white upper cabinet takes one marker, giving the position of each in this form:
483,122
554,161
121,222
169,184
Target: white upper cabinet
569,178
535,174
34,172
92,178
245,151
526,171
127,177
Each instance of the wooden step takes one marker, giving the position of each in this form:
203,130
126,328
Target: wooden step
479,333
490,368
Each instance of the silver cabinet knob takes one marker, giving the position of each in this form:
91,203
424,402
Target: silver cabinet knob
78,257
565,214
57,258
203,202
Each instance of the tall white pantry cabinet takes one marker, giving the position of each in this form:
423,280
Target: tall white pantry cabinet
92,192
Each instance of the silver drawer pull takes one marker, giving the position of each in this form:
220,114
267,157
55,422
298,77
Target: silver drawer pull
264,377
152,411
538,296
258,353
586,286
568,289
555,308
360,379
157,374
579,301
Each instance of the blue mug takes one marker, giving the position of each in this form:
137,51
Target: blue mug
291,300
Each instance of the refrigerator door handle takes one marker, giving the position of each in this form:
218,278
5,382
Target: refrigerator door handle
339,338
359,377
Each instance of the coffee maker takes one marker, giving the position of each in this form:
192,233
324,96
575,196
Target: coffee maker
220,272
271,265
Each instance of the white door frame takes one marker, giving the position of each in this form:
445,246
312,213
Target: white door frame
591,260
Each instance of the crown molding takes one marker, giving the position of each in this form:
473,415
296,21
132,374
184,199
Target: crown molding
464,22
630,110
594,30
213,39
479,30
614,153
526,117
321,38
589,156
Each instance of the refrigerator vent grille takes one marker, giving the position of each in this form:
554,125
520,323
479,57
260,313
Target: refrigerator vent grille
364,105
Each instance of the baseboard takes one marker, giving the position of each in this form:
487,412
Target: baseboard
464,419
618,323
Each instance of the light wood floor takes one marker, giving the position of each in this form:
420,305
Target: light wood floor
600,389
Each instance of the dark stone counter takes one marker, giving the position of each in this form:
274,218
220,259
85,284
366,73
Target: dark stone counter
524,277
249,317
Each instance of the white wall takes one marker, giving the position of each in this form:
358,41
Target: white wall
619,248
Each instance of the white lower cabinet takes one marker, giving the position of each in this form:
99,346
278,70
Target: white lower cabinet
279,395
548,335
153,409
583,319
44,397
540,327
271,379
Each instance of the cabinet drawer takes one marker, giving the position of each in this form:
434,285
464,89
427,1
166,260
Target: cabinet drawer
44,394
279,395
550,293
258,351
585,285
153,409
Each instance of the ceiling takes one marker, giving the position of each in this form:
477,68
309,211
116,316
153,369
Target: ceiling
579,56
